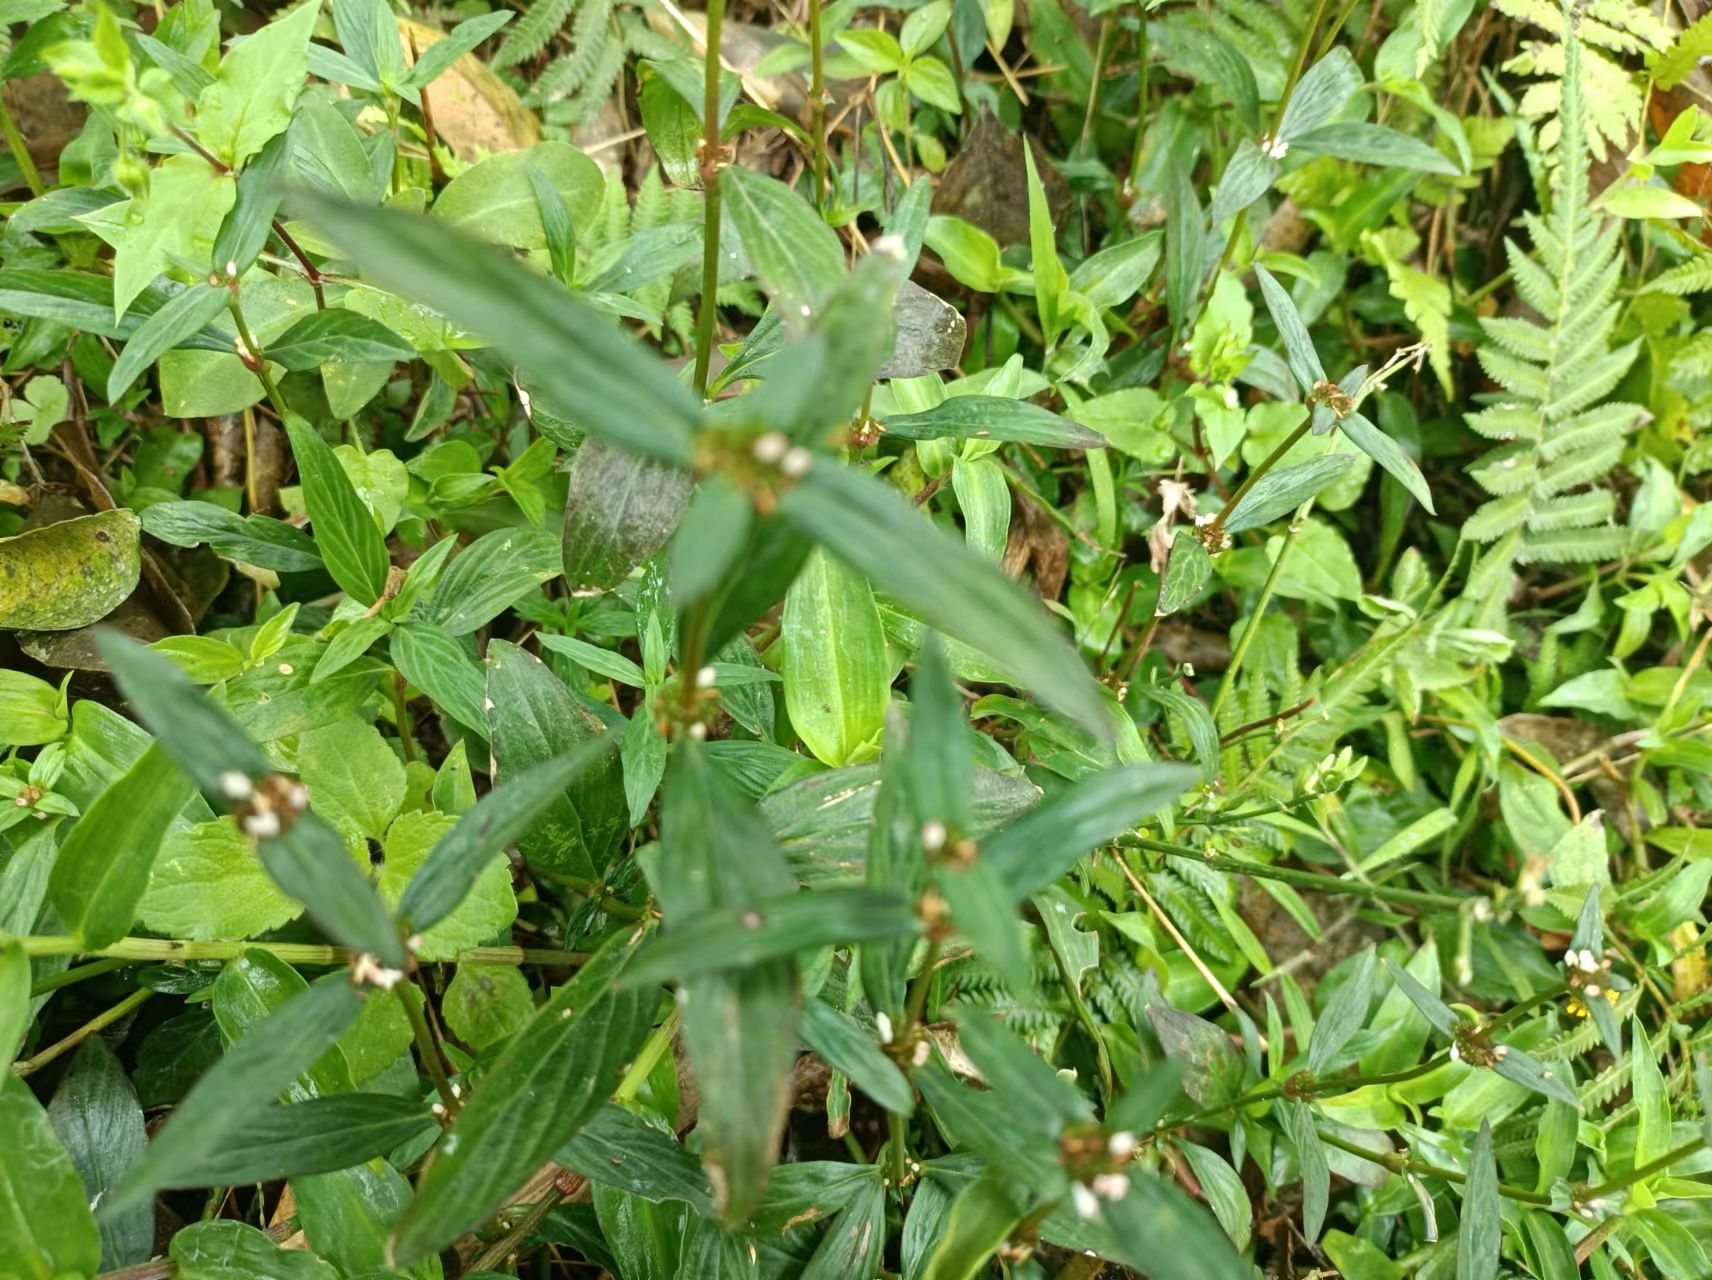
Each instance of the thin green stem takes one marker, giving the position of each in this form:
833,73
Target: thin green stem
503,1251
1251,624
817,103
1303,879
710,188
100,1021
1266,464
20,153
69,977
1143,57
1641,1172
658,1043
253,358
415,1001
900,1155
297,953
1397,1162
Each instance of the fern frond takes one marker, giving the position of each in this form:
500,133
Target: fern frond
532,32
1557,435
1693,276
1684,54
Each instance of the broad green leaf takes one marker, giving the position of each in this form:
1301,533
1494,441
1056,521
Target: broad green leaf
1224,1190
172,225
355,780
591,657
192,727
1045,842
208,883
250,990
31,711
347,1214
620,510
15,1013
556,226
259,80
46,1230
315,1135
980,417
185,315
254,1071
852,1049
549,1081
929,570
257,539
983,1216
533,718
836,669
61,576
1478,1240
621,1150
1282,489
743,936
489,576
325,336
85,302
440,666
1160,1229
797,255
497,821
1186,573
1373,144
1321,93
226,1249
1185,251
345,533
597,374
495,199
487,909
487,1003
103,868
98,1119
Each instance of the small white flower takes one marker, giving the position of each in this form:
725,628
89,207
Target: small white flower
1500,1052
235,785
796,462
367,971
414,943
1230,398
698,731
705,678
770,447
1121,1145
883,1024
1593,990
1087,1203
1277,148
933,836
1455,1054
890,245
263,825
1111,1186
922,1052
297,797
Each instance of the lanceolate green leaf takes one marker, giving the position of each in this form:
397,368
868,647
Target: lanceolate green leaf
315,1135
932,572
97,1116
1478,1240
742,936
852,1049
548,1082
797,254
345,532
620,510
309,862
185,315
46,1229
994,418
334,334
254,1071
498,819
1283,489
1390,455
103,868
257,539
576,354
619,1149
1046,841
837,672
